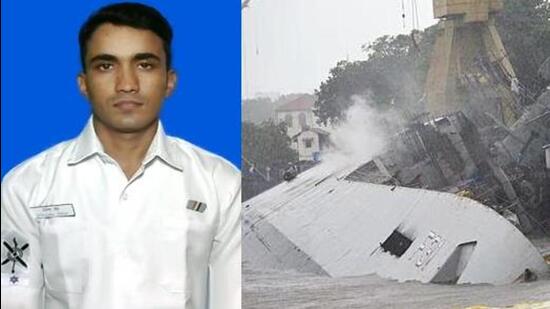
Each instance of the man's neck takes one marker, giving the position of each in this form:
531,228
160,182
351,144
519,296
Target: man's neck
128,149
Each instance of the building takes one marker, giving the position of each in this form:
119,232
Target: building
310,143
308,139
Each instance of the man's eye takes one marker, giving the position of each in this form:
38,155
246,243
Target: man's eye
145,65
104,66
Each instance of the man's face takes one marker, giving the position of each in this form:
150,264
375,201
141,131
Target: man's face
126,78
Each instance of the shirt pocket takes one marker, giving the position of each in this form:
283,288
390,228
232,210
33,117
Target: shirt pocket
172,259
182,249
63,256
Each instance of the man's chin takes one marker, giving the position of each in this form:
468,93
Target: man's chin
132,125
126,124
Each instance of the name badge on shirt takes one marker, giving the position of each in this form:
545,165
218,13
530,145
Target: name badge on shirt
196,206
53,211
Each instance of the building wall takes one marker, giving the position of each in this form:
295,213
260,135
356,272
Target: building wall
296,128
305,152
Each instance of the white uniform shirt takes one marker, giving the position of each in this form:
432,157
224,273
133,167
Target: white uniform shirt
87,237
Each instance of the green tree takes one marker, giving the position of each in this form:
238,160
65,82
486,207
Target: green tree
396,67
267,144
264,145
524,27
394,72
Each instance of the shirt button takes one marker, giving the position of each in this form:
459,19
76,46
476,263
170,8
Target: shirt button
124,196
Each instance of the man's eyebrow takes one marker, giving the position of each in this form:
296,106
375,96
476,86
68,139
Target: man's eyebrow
146,56
103,57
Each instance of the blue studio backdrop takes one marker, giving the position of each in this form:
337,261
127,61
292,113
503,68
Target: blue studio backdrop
41,104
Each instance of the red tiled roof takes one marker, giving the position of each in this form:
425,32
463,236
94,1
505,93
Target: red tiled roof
304,102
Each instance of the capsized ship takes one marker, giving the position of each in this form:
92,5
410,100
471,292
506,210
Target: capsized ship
324,222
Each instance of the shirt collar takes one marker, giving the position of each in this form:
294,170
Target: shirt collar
88,144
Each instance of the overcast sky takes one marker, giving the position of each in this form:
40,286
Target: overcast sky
289,46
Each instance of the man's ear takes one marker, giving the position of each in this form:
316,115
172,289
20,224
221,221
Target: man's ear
81,80
171,82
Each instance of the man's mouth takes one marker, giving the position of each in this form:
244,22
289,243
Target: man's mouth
127,105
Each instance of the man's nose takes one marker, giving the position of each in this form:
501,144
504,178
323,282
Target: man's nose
127,80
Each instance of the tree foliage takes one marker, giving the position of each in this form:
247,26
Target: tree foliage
524,27
267,144
396,67
393,73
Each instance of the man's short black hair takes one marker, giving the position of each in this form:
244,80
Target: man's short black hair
135,15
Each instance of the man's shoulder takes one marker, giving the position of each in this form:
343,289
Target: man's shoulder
197,153
35,167
204,159
224,177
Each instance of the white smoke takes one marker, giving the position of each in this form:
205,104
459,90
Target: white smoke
363,135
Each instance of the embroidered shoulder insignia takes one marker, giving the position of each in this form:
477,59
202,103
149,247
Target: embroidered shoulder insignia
15,255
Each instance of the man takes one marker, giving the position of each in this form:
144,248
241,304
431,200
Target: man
123,216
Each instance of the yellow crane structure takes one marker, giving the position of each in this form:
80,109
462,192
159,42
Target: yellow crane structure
469,57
